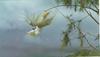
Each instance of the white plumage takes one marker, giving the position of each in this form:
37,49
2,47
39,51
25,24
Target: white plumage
34,32
39,22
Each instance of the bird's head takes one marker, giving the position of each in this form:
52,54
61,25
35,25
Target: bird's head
35,31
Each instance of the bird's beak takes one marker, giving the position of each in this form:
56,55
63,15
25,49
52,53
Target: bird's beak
31,33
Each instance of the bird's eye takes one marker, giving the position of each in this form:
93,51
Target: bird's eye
33,28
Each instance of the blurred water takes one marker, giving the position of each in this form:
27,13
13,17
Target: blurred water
13,39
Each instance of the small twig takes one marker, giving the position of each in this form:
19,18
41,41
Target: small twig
89,43
71,5
85,38
94,10
59,12
62,14
95,6
91,16
91,34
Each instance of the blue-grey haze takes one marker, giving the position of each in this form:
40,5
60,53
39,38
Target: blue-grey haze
14,42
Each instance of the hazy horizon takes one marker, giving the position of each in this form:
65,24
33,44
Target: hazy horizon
14,42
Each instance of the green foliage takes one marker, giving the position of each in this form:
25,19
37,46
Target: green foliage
80,4
65,40
80,33
66,2
85,52
44,19
75,26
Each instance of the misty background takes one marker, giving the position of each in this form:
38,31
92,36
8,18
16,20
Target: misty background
14,41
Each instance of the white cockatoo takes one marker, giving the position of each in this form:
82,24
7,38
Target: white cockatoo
39,22
34,31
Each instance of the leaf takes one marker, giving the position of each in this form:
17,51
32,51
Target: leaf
80,33
81,39
67,2
97,37
58,1
75,8
65,40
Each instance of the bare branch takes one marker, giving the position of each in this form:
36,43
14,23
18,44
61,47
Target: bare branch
92,17
72,6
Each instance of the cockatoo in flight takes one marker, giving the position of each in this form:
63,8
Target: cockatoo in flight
39,22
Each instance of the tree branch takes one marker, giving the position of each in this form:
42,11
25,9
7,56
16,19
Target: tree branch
73,6
92,17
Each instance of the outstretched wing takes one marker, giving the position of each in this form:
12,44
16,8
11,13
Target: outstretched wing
41,20
44,20
31,20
